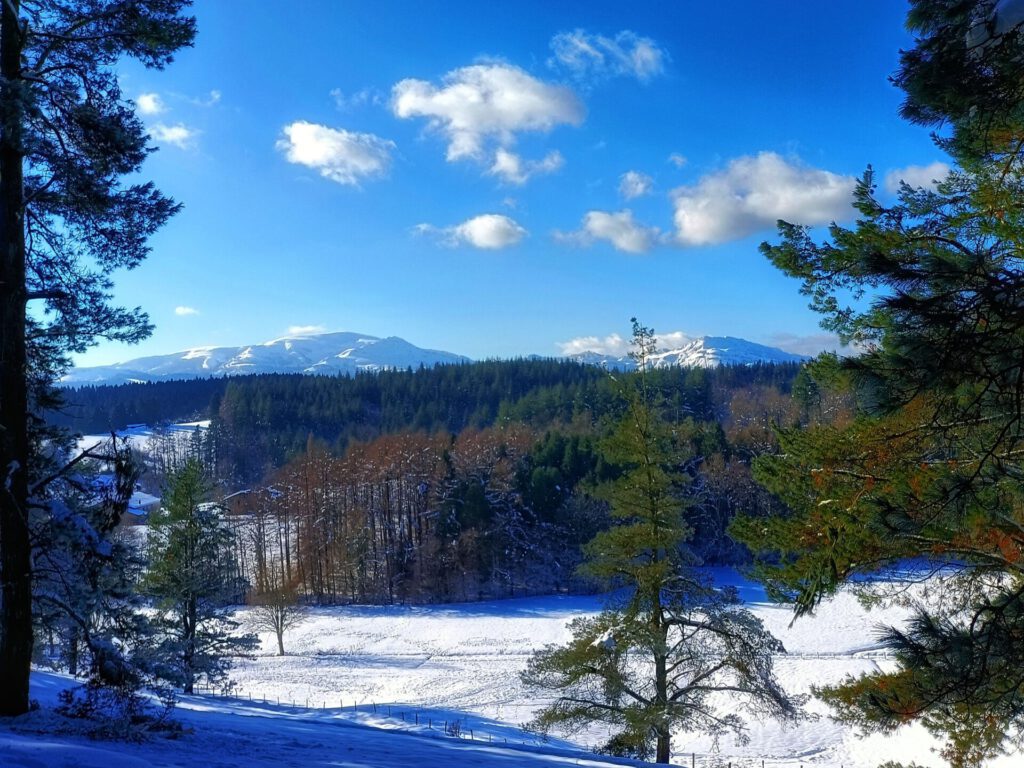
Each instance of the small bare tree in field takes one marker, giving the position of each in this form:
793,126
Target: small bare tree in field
277,611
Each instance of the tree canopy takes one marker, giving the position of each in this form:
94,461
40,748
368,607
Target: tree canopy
70,216
928,289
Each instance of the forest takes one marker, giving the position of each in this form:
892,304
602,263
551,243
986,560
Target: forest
452,483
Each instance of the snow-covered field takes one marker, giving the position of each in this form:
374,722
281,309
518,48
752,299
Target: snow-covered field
466,658
141,436
375,686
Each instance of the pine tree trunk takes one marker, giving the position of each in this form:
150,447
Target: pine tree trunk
15,547
188,662
661,682
664,752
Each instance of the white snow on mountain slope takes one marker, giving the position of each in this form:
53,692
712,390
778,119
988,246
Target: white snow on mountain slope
704,352
325,353
349,353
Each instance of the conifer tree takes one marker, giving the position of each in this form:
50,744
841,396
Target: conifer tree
67,222
653,659
191,578
929,287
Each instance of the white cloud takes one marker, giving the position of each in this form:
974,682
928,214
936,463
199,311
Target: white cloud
306,330
916,176
753,193
619,229
511,168
610,345
360,98
489,231
596,56
342,156
179,134
185,311
677,160
617,346
486,104
150,104
635,184
810,345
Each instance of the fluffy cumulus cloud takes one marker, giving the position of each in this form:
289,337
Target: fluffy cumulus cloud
635,184
620,229
587,55
752,193
178,135
342,156
185,311
479,109
916,176
511,168
617,346
489,231
150,104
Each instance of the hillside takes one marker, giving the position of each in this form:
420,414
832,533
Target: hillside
321,354
223,733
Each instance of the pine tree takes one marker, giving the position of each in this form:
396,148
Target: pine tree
67,138
191,578
930,468
653,660
85,575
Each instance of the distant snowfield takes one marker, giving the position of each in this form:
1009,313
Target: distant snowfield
141,436
356,675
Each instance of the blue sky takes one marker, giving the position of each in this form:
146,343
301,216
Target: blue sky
505,179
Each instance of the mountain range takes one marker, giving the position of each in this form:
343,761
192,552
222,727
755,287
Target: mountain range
703,352
326,353
348,353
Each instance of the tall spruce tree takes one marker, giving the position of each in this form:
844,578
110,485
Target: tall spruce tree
930,287
654,659
192,577
67,222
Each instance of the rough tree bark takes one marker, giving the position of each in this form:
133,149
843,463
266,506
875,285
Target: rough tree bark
15,547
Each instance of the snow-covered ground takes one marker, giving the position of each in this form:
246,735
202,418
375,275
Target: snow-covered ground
223,733
141,436
376,686
466,659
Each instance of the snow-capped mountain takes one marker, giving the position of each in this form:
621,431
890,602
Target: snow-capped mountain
349,353
325,353
704,352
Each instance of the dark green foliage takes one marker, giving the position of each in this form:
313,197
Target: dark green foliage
191,576
101,409
964,73
262,421
69,220
654,658
929,467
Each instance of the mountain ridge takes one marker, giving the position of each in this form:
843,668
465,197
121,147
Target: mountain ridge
347,353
